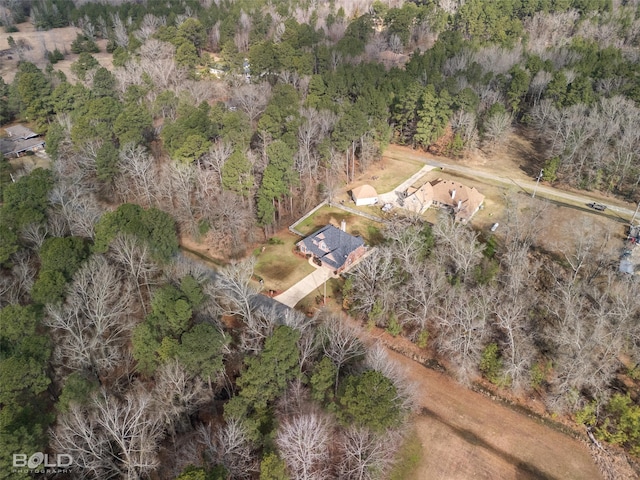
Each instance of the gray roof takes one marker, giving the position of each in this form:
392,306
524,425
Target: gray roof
10,146
20,131
332,245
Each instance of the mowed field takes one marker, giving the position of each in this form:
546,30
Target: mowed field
38,43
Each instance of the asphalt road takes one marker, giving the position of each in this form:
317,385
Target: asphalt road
528,186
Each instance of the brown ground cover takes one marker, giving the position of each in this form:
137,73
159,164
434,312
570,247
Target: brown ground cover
41,41
468,435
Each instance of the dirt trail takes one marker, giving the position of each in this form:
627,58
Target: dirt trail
467,435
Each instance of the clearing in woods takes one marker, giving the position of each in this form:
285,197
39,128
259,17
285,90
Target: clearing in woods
37,43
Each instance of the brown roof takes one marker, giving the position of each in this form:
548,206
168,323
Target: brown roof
464,200
419,199
364,191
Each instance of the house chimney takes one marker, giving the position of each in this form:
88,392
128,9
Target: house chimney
343,225
453,194
459,204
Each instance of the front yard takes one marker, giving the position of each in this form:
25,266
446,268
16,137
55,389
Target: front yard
277,264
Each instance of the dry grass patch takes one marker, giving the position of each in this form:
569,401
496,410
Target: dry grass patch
387,174
315,299
278,265
356,225
39,42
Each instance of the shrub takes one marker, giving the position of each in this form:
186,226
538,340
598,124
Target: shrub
55,56
491,364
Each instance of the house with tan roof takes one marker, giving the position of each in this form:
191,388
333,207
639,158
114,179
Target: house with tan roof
418,200
364,195
462,200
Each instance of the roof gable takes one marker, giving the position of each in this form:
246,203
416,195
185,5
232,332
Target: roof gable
464,199
364,191
20,131
331,245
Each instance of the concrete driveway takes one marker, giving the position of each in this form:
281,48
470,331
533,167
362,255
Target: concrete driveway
304,287
392,197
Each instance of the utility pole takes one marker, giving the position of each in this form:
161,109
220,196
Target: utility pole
324,303
635,213
537,182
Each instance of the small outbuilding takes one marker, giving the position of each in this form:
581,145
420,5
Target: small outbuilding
364,195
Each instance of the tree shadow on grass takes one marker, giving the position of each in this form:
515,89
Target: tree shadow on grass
525,470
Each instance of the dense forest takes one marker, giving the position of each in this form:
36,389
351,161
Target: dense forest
221,121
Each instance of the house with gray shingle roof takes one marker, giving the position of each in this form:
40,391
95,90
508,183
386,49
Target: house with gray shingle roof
20,132
333,247
20,140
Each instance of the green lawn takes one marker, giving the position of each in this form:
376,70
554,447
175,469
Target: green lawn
278,265
356,225
408,458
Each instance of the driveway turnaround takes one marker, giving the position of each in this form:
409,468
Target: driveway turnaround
392,196
304,287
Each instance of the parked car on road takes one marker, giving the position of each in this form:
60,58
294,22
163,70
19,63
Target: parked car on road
597,206
494,227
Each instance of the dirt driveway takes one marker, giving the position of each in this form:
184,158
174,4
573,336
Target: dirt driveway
467,435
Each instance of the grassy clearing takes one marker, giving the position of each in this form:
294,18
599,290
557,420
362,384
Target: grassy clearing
387,174
356,225
391,172
408,458
278,265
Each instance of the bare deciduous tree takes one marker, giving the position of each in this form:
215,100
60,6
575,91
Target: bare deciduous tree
120,34
464,326
315,126
252,99
241,38
518,350
457,247
178,394
229,446
366,455
339,341
235,285
93,324
77,206
218,154
496,128
378,359
112,436
304,443
137,173
375,283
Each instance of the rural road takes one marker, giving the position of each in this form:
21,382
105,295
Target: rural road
525,185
